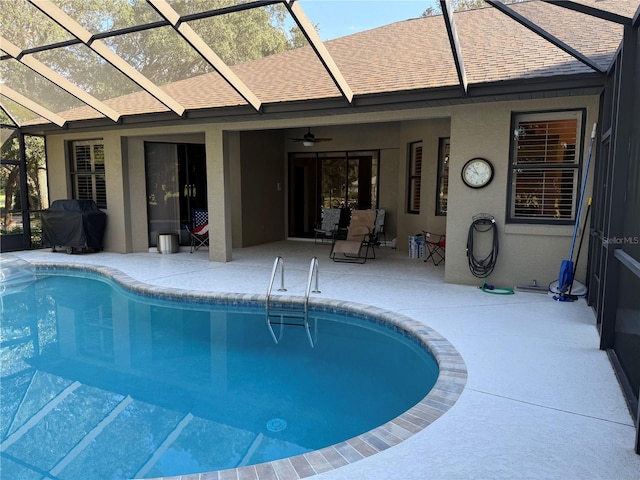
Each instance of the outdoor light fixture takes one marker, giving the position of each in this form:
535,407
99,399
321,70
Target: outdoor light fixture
309,139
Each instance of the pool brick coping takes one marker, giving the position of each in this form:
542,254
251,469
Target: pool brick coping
444,394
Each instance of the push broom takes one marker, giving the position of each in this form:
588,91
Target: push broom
565,278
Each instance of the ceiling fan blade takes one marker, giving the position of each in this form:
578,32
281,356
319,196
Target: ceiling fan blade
310,137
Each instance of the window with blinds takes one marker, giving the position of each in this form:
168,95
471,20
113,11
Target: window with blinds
415,177
88,172
545,167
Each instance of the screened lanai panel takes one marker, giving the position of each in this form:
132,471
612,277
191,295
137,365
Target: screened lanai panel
88,70
17,112
369,59
85,68
626,8
576,29
166,56
27,27
37,88
4,118
6,135
235,37
294,71
241,35
104,16
510,51
189,7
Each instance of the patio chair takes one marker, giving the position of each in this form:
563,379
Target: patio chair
436,245
379,226
329,224
360,238
199,229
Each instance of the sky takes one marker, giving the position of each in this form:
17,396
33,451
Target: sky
337,18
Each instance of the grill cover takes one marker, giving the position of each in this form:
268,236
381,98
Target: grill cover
74,224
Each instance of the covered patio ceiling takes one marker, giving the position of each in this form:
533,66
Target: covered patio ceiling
38,88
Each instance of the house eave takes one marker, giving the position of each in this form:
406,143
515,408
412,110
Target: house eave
510,90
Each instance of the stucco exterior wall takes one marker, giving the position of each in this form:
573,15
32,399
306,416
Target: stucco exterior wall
429,132
526,252
125,178
246,164
116,238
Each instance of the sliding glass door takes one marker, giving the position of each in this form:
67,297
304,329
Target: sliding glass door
176,185
347,180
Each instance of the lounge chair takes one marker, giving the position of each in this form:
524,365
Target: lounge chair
329,224
360,239
379,227
198,230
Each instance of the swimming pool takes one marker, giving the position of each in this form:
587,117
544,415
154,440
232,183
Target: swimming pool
114,381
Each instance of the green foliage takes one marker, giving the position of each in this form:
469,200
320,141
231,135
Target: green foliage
160,54
10,189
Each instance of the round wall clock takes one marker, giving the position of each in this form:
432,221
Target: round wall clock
477,173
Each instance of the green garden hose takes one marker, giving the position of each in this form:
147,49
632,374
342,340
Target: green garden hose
487,288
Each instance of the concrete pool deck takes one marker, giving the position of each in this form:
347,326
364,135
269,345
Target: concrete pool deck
541,400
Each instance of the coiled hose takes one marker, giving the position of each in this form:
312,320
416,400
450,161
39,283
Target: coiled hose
483,267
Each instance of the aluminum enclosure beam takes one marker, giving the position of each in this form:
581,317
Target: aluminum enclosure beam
8,114
78,31
321,51
31,105
199,45
447,14
150,26
591,11
57,79
546,35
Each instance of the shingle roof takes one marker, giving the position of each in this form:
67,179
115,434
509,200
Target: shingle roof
407,56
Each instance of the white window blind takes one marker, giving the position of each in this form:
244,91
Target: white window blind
545,165
88,172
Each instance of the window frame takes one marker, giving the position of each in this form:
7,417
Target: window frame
580,114
414,176
92,174
442,185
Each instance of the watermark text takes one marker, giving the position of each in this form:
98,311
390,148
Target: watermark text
630,240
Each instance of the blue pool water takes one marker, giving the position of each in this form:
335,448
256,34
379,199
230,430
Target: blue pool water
101,383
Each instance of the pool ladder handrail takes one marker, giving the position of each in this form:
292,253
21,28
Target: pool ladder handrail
279,261
304,316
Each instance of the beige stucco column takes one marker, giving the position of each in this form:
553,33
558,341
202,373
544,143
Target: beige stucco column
118,231
219,196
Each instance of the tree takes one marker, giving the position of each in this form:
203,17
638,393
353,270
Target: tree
10,191
461,5
159,53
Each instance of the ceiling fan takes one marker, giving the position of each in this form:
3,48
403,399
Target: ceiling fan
309,139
